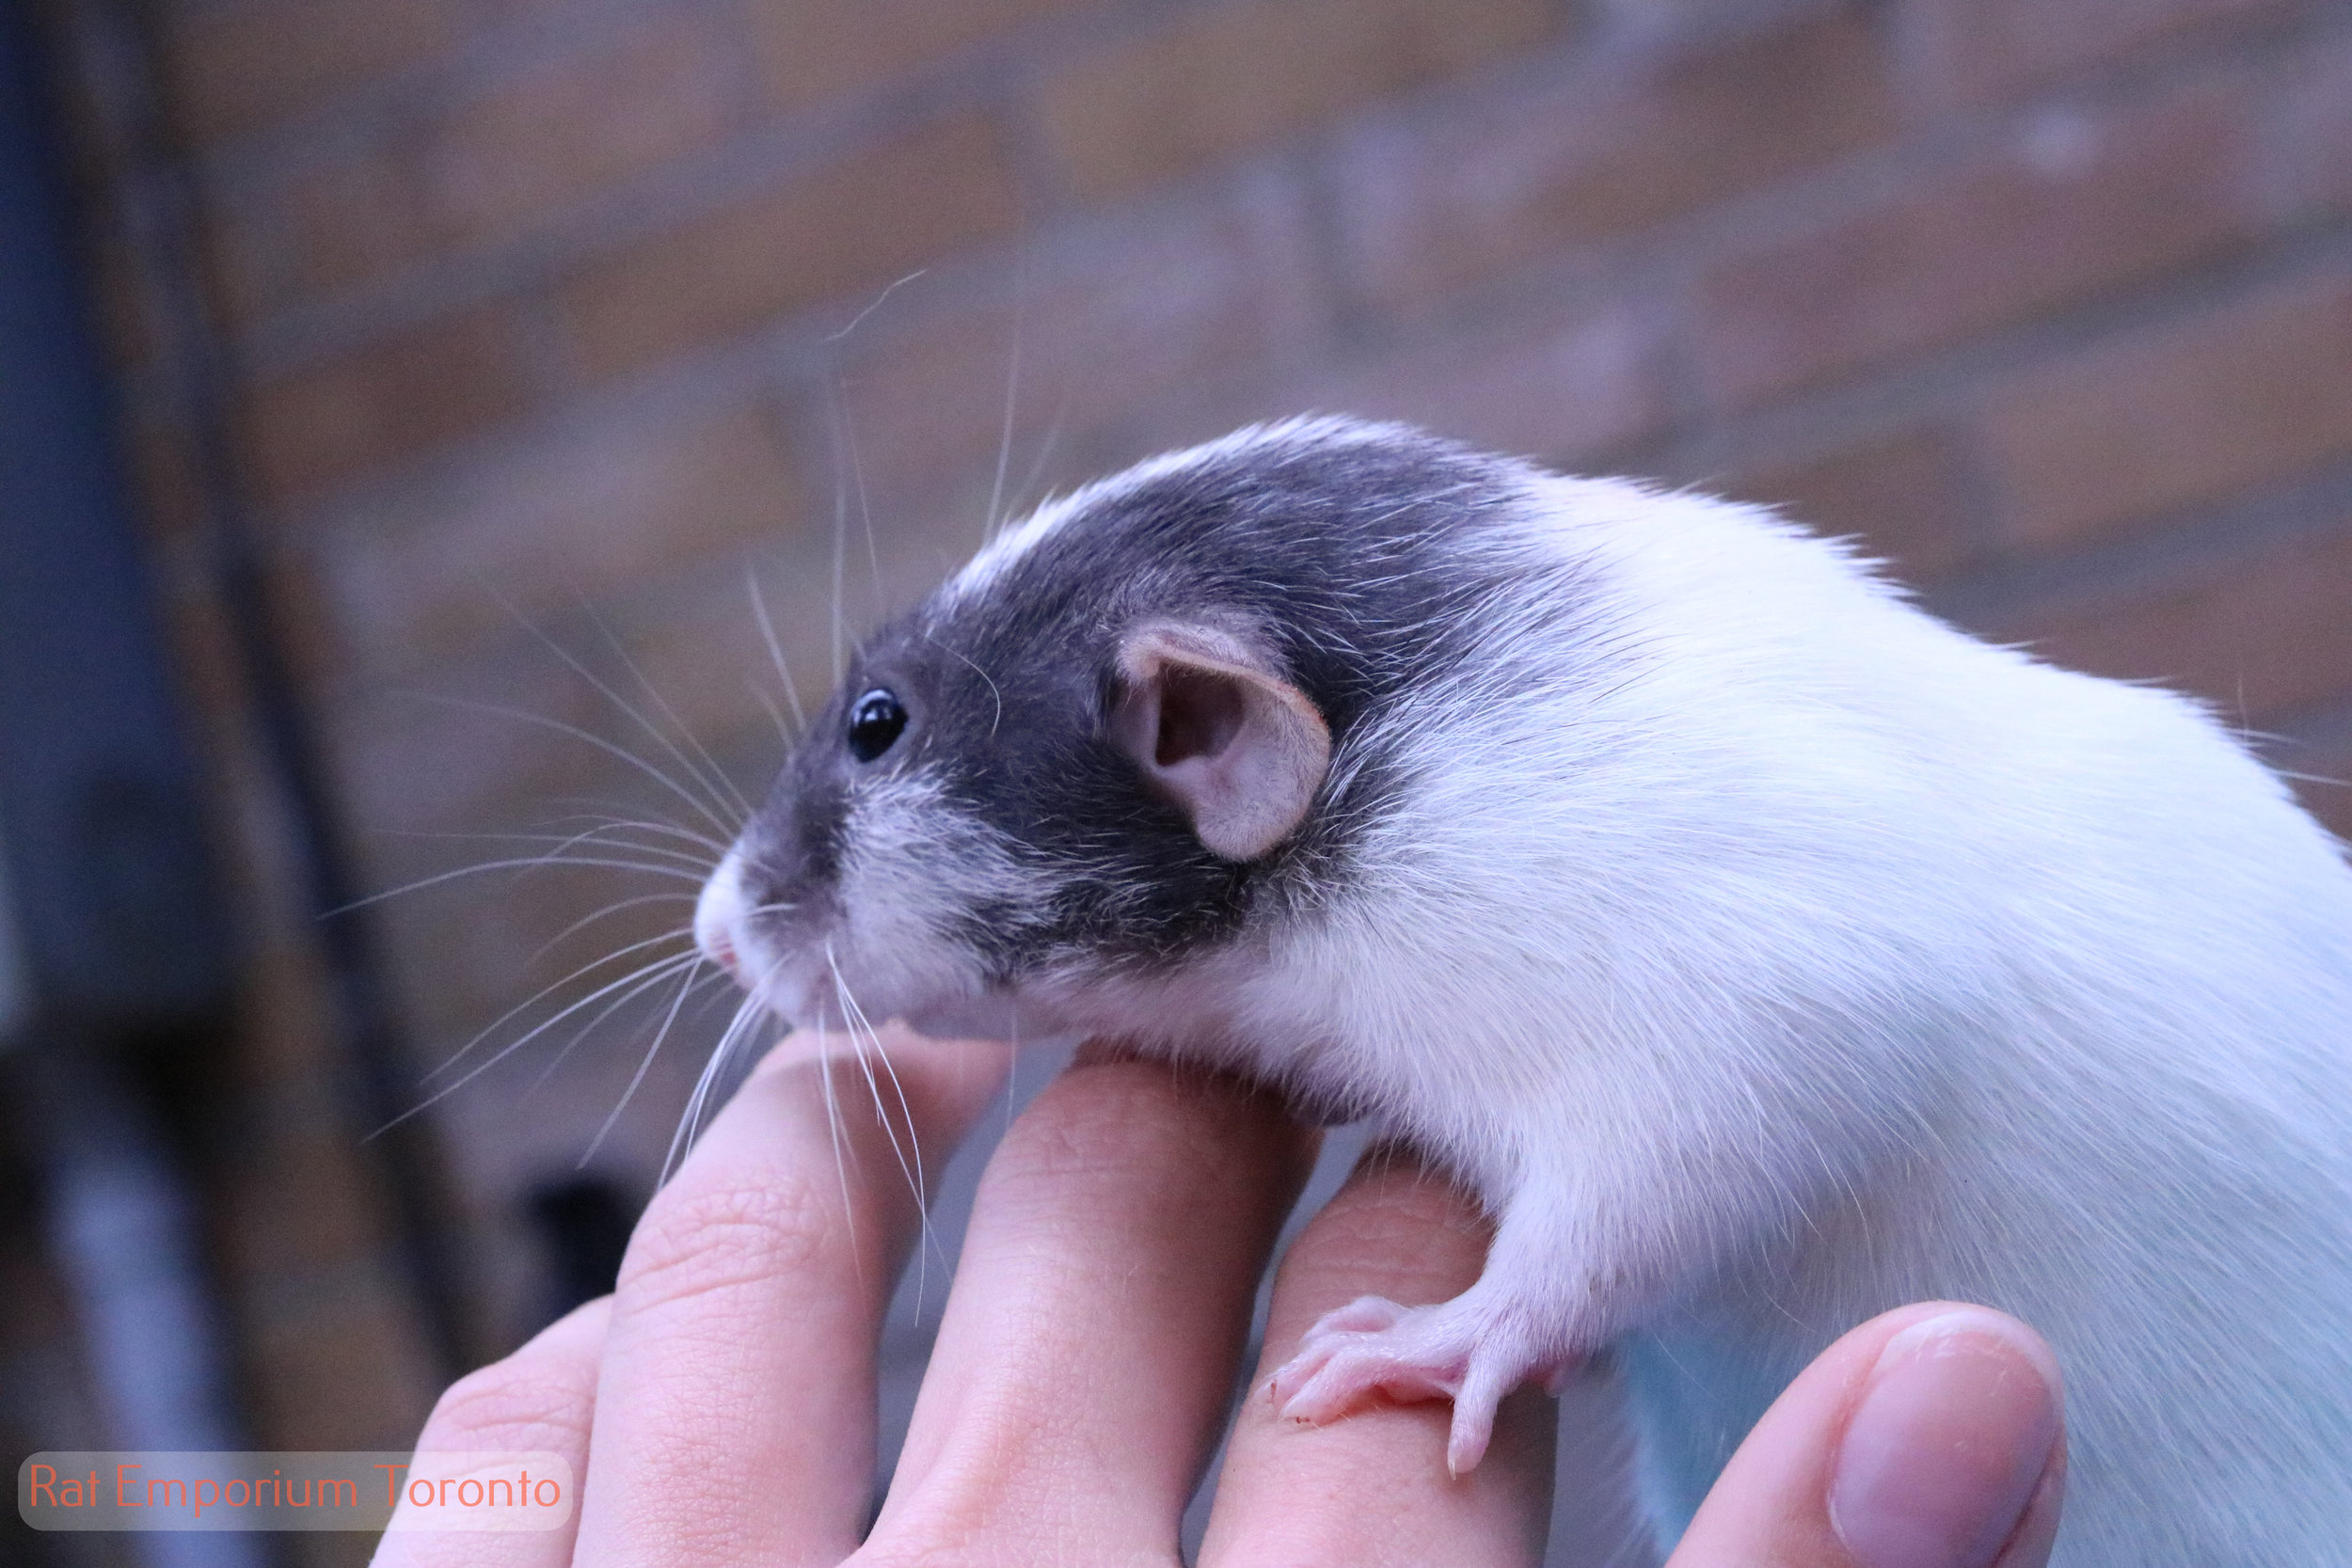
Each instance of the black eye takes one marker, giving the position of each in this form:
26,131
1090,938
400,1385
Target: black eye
876,720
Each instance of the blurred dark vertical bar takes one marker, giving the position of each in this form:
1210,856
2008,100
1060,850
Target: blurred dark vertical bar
122,962
98,804
79,650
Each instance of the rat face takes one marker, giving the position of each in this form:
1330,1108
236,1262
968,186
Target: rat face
1107,746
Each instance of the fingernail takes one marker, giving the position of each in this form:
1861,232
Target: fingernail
1942,1455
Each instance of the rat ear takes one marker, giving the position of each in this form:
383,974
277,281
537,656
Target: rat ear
1241,750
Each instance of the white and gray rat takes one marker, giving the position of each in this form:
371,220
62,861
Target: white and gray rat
1764,952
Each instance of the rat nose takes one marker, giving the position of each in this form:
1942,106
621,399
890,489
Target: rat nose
717,914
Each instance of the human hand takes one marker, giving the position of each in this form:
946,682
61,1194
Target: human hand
720,1406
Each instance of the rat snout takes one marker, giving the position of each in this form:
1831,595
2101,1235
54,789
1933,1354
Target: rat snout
719,918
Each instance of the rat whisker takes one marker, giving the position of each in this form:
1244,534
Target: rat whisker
545,991
644,1065
596,838
775,649
614,816
783,731
601,835
840,1144
1012,391
910,1152
604,689
859,320
860,1030
993,690
644,982
606,913
865,507
564,1053
1044,452
740,1028
840,528
527,863
711,775
588,738
716,783
590,834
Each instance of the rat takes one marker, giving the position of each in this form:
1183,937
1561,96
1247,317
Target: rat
1763,952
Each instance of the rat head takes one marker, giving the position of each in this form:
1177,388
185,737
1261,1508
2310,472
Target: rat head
1114,743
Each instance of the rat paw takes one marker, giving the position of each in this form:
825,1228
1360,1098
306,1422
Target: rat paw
1409,1354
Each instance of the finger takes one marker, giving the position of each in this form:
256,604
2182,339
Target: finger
1373,1486
1929,1437
1088,1347
735,1409
538,1400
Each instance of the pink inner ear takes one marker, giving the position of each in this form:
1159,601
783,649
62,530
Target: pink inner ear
1201,713
1240,750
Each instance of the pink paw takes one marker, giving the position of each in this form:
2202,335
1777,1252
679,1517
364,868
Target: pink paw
1409,1354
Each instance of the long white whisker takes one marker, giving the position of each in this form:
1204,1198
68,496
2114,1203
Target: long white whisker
783,731
776,650
840,1150
606,913
528,862
910,1153
711,775
601,835
604,690
926,1238
840,529
644,1065
545,991
689,1121
644,982
727,830
854,1020
597,835
1044,450
858,320
611,1007
1012,391
607,813
691,862
739,1028
865,508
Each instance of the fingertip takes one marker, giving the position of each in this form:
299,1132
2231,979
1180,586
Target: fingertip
1932,1436
1948,1443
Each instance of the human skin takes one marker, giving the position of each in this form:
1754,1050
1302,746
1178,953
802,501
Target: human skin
720,1406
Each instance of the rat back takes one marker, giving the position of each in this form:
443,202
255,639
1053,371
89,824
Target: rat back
1821,959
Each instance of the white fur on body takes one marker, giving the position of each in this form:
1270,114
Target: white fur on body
1832,960
1825,960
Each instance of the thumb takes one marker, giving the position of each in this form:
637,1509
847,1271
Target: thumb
1932,1436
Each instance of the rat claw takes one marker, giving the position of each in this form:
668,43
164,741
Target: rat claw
1488,1379
1366,1316
1410,1354
1353,1372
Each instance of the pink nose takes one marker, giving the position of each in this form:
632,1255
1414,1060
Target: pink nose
715,916
719,949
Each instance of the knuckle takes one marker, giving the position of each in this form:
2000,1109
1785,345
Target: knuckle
712,1239
513,1403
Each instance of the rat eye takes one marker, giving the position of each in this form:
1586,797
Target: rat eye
876,720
